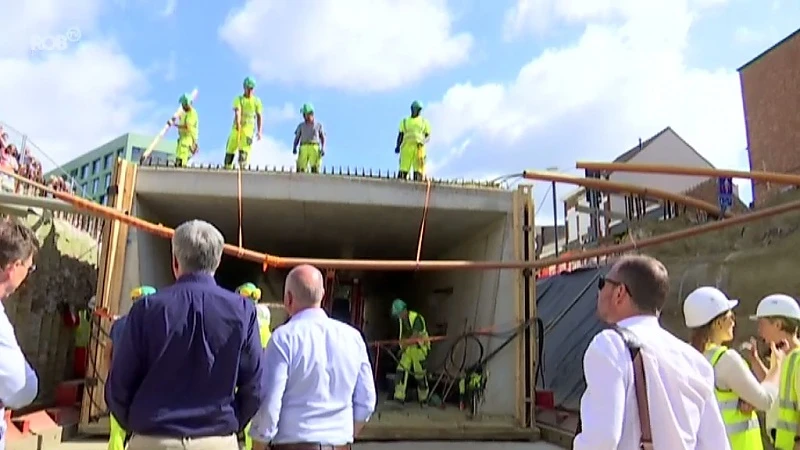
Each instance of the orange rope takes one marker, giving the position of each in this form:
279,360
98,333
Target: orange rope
424,219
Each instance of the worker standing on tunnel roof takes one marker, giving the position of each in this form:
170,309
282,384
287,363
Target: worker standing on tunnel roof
117,436
415,132
188,127
310,136
253,292
247,111
413,355
778,318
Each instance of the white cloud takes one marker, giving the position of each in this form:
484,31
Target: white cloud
623,79
278,114
169,8
66,101
354,45
268,152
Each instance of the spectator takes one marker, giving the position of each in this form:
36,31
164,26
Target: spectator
318,380
188,362
9,164
18,382
680,381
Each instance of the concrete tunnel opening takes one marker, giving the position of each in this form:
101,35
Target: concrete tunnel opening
452,302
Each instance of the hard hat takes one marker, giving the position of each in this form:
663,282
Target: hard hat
307,108
398,306
777,305
249,82
250,291
416,105
185,99
704,304
142,291
263,312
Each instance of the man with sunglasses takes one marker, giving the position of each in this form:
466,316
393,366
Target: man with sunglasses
679,380
18,382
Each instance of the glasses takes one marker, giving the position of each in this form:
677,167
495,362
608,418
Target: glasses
602,281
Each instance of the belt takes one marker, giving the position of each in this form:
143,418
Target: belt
309,446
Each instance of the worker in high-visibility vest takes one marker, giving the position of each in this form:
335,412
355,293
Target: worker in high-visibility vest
253,292
778,317
247,110
188,127
413,355
708,313
414,134
310,138
117,435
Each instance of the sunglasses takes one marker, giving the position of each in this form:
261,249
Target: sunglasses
602,281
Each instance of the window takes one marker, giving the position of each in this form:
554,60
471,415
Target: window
160,158
136,153
96,186
73,173
108,161
121,153
96,166
108,180
103,200
84,171
84,187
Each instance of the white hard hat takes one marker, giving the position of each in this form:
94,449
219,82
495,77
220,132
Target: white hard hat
777,305
704,304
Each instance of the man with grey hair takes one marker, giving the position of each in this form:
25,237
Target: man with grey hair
319,390
187,370
679,380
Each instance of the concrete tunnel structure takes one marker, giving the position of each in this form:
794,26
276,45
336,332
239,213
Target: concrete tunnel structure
330,216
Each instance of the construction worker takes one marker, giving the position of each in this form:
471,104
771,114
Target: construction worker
412,354
415,132
187,125
708,313
246,122
778,318
251,291
310,136
117,435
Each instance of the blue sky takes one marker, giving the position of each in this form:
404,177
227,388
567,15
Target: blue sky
507,85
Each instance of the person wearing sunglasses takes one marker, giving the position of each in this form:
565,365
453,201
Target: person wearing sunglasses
708,313
683,412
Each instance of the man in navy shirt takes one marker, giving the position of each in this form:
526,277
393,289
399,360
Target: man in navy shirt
186,371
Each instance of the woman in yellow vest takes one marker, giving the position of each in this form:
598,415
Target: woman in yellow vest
778,317
251,291
708,313
117,434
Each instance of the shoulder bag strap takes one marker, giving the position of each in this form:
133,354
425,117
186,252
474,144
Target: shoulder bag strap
640,385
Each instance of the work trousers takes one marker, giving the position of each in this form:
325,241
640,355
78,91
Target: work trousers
412,359
139,442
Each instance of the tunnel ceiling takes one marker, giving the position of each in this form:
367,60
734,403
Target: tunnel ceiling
293,228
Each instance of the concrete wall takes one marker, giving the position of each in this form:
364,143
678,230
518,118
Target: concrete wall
480,299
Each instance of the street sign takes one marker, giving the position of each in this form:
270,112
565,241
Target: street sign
725,185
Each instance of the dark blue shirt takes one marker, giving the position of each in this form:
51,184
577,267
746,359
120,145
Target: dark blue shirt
182,355
116,330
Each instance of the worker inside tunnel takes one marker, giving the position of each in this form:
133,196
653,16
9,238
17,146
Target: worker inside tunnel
445,305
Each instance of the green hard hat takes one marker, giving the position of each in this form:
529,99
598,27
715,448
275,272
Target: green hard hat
307,108
249,290
142,291
249,82
185,99
398,306
416,105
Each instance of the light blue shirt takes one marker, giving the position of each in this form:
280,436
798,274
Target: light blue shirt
18,382
318,381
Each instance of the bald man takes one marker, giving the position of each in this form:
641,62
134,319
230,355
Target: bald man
319,386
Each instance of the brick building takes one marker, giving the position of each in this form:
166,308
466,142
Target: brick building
771,95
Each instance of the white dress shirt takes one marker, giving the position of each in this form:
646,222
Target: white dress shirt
318,382
680,388
18,382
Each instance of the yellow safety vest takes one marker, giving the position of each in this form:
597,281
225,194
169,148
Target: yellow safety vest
83,330
744,432
263,330
788,413
412,317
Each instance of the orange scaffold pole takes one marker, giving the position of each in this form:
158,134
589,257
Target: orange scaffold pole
394,265
613,186
755,175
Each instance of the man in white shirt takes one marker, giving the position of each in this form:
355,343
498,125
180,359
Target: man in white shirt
680,381
18,382
318,381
